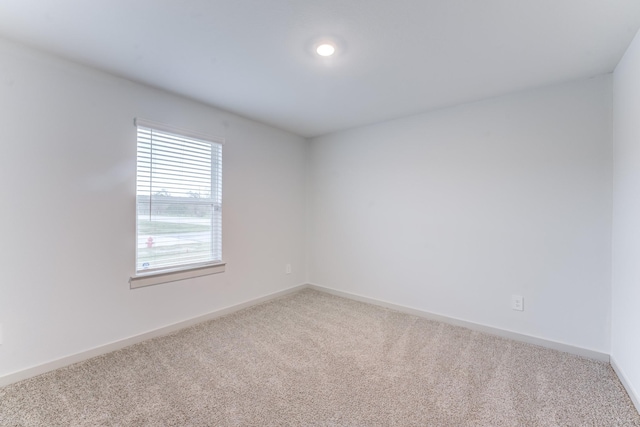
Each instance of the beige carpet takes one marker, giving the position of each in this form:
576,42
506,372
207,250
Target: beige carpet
313,359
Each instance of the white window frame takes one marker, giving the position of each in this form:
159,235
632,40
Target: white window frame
175,273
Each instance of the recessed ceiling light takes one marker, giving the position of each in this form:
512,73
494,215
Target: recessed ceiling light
325,49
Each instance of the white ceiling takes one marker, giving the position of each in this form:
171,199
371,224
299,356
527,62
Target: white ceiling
396,57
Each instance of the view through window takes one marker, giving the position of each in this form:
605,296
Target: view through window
179,201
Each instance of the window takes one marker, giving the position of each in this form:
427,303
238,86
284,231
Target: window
178,204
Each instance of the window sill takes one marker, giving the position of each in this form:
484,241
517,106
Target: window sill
156,278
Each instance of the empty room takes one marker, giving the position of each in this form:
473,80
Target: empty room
320,213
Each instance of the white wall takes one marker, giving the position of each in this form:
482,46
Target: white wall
453,211
67,185
625,329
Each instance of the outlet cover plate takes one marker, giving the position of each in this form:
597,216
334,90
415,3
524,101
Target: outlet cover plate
517,302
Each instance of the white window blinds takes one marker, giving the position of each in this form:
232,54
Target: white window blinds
178,198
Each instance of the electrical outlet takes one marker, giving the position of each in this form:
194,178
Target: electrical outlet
517,302
287,269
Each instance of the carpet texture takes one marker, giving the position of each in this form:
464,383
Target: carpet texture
313,359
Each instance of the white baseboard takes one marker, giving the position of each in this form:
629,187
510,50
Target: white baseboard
117,345
633,394
516,336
